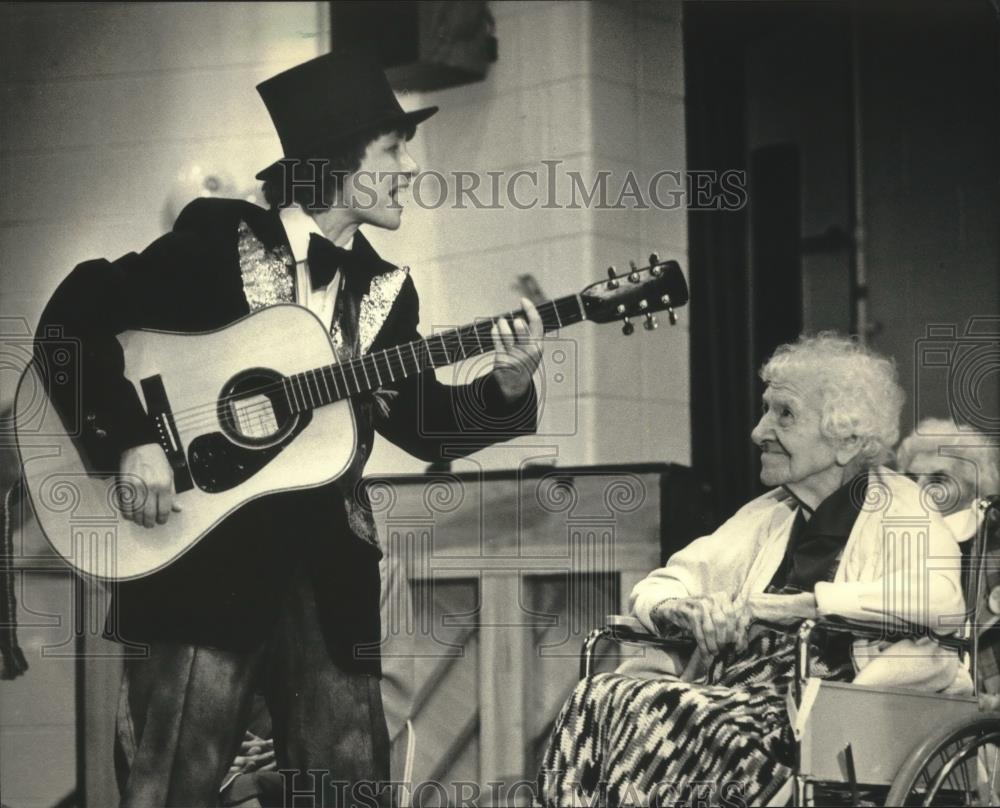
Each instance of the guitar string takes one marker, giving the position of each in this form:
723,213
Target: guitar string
422,353
208,411
456,344
399,366
301,390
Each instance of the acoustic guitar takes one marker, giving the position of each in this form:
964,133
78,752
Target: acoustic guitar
242,413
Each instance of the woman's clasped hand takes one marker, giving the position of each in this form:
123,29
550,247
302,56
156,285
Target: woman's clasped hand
721,620
715,621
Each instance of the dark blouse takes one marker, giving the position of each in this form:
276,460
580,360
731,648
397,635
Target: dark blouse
815,546
813,555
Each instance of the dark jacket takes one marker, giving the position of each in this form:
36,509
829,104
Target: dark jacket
225,591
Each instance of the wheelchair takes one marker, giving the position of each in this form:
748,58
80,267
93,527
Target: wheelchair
859,744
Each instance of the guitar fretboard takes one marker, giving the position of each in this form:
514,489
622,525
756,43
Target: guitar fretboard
314,388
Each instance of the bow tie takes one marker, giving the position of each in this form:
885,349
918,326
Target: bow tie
325,258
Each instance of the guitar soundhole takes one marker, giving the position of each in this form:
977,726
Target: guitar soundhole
253,409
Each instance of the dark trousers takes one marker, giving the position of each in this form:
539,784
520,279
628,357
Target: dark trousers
184,709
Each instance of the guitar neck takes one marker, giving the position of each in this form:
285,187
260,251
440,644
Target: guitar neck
324,385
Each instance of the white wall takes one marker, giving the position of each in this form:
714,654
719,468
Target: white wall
599,86
103,105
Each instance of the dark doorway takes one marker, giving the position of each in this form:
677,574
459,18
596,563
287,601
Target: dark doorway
869,133
767,93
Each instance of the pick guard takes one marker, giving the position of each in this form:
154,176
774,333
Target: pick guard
217,464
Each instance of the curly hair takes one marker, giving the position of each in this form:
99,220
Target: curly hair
317,193
860,391
981,472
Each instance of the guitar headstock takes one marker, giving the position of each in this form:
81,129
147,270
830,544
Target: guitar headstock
659,286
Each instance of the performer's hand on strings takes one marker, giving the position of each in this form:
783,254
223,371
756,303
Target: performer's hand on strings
518,351
146,493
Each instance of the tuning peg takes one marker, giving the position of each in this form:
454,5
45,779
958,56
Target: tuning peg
612,282
633,274
665,300
651,322
643,305
654,259
628,328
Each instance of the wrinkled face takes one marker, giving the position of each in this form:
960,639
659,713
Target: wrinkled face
793,450
372,193
938,472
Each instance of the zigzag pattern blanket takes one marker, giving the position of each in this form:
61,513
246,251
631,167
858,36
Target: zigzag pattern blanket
625,741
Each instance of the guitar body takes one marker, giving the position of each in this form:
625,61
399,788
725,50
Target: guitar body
225,425
255,408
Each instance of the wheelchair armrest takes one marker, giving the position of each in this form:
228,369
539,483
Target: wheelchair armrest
627,629
886,630
891,631
626,621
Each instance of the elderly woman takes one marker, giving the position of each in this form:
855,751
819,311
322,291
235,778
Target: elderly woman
955,465
821,542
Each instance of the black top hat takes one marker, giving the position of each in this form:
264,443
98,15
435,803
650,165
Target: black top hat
318,105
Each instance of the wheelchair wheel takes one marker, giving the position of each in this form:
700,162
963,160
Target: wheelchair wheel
960,765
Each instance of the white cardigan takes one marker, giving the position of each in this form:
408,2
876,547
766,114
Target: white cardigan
900,560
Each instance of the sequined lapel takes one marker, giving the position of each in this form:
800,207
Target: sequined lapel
268,278
372,287
376,304
371,312
267,273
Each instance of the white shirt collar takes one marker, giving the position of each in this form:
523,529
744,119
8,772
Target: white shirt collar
964,523
299,226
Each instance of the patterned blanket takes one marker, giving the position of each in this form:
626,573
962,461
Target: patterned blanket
623,741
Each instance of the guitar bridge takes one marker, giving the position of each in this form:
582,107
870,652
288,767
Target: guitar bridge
159,407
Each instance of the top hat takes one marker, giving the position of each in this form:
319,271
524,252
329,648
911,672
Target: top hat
318,105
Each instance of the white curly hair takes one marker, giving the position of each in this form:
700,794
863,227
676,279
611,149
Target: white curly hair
859,390
976,465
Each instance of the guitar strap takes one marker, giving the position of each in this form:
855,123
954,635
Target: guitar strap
14,663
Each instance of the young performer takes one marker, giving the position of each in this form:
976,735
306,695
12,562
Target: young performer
283,595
